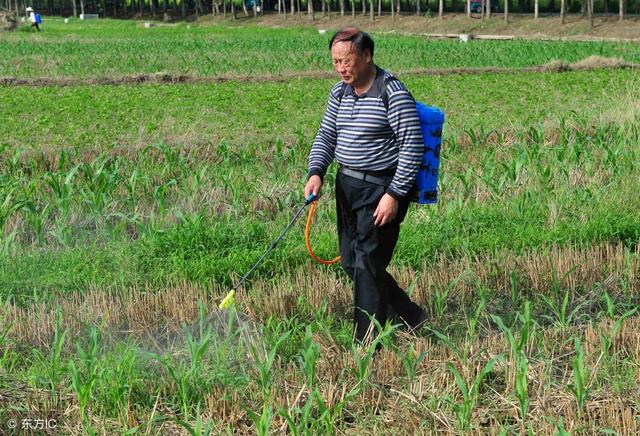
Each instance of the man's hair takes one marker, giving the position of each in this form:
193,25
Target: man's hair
359,40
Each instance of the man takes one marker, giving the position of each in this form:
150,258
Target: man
32,18
372,129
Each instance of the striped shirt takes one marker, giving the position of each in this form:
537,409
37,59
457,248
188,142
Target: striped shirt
361,134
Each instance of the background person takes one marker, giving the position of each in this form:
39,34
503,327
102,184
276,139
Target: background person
32,18
371,128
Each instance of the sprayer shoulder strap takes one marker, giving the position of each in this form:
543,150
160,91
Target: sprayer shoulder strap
384,95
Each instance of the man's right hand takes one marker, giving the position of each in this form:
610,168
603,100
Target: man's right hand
313,186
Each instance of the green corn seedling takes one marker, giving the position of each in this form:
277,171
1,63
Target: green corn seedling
580,387
309,357
470,392
521,385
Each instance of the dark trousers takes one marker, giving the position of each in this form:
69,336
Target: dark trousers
366,251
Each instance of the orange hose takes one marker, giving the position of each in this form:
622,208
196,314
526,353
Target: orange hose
307,233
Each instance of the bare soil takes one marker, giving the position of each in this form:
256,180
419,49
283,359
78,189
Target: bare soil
590,63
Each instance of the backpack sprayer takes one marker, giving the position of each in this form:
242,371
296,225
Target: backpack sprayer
425,191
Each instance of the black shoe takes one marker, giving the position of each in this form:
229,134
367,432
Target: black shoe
420,320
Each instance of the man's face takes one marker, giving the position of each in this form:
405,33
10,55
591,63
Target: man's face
351,67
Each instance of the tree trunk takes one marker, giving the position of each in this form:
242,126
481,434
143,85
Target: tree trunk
293,7
393,12
75,8
535,9
440,8
590,13
562,11
353,9
398,10
364,8
489,8
310,11
418,7
379,8
299,8
224,8
621,10
506,11
469,8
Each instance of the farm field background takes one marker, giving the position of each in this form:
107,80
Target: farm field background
127,211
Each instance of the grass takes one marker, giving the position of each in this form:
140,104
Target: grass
126,212
76,51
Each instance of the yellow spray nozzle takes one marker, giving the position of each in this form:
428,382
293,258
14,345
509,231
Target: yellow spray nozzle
228,301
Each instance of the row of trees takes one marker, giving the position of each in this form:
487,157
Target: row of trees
175,8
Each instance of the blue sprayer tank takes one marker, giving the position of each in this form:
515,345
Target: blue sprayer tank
431,122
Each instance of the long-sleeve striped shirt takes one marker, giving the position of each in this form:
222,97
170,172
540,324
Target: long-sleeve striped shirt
361,134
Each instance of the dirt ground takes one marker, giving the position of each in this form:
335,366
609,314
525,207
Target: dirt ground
520,26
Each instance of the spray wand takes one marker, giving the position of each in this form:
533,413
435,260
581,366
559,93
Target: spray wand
229,300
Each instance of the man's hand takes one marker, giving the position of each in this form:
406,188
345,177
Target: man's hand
313,186
386,211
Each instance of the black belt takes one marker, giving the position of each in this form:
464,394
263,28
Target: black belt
363,176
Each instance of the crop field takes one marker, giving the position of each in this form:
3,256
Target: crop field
127,211
117,48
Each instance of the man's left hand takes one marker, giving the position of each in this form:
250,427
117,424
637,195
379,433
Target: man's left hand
386,211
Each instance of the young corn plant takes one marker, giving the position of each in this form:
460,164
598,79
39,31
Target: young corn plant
470,392
561,313
363,354
461,353
62,185
580,387
7,208
265,367
306,419
37,218
54,369
440,297
472,321
308,358
521,385
200,428
606,340
411,361
189,377
7,356
518,355
85,376
262,421
611,308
